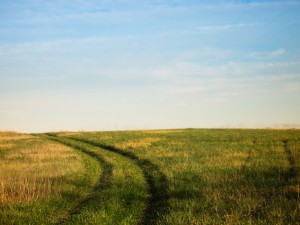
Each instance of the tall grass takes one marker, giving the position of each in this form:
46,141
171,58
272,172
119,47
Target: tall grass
206,177
221,176
36,171
120,195
39,175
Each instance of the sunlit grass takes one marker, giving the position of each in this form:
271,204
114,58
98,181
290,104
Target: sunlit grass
40,176
36,171
121,194
221,176
142,143
207,177
10,135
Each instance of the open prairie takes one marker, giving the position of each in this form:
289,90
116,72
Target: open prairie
189,176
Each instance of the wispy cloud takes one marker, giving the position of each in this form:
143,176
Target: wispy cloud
133,62
267,55
231,79
59,45
225,27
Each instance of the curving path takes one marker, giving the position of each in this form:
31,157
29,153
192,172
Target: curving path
158,188
103,182
250,153
157,205
292,172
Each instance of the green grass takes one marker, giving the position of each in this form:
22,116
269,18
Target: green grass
192,176
41,181
119,197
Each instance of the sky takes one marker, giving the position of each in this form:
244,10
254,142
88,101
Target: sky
149,64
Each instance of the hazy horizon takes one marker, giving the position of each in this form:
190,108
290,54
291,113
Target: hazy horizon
127,64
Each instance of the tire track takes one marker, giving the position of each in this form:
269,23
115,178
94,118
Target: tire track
250,153
289,175
157,205
104,181
292,172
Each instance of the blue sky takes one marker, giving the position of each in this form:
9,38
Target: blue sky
128,64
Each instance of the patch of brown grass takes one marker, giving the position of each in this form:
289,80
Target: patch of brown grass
11,136
142,143
292,189
67,133
6,145
161,131
36,171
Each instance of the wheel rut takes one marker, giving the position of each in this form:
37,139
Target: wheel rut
250,153
157,205
104,181
292,172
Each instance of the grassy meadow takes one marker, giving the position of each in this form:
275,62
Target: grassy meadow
190,176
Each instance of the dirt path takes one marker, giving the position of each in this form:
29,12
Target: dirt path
291,173
157,205
104,181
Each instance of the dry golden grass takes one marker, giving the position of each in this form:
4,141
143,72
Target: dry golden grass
10,135
67,133
229,160
292,189
161,131
35,171
145,142
6,145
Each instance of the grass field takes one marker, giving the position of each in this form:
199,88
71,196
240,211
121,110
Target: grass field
191,176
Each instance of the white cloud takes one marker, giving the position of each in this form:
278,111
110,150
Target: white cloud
233,79
59,45
225,27
268,55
